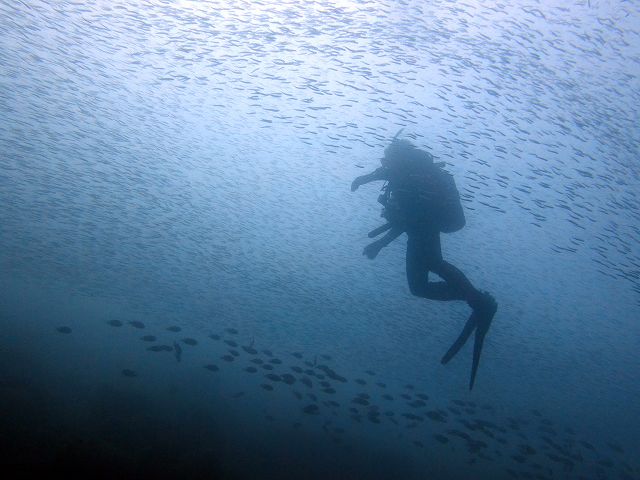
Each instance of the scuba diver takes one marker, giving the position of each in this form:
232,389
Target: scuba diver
420,198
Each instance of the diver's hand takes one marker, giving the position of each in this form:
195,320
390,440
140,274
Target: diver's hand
355,184
371,251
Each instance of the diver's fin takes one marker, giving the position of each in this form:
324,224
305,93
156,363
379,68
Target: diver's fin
477,350
462,338
484,322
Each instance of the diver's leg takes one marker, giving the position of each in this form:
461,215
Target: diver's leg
423,255
481,302
442,291
419,258
457,282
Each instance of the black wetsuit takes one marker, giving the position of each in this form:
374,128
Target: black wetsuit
417,213
417,202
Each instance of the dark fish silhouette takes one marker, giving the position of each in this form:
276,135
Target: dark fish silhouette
474,446
412,416
615,447
251,369
373,417
129,373
587,445
174,328
330,373
249,349
311,409
228,358
63,329
160,348
148,338
231,331
458,433
177,351
114,323
211,367
190,341
526,449
267,387
231,343
136,324
436,416
214,336
441,438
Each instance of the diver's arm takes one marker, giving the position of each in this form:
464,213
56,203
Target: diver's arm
372,250
390,236
377,231
378,174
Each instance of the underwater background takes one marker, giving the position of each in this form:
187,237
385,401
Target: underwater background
182,286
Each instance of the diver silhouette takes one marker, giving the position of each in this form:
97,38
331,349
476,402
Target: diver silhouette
421,199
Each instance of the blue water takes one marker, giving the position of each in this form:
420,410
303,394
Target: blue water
187,164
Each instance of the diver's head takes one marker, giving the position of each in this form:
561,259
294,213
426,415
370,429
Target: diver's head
399,152
402,153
